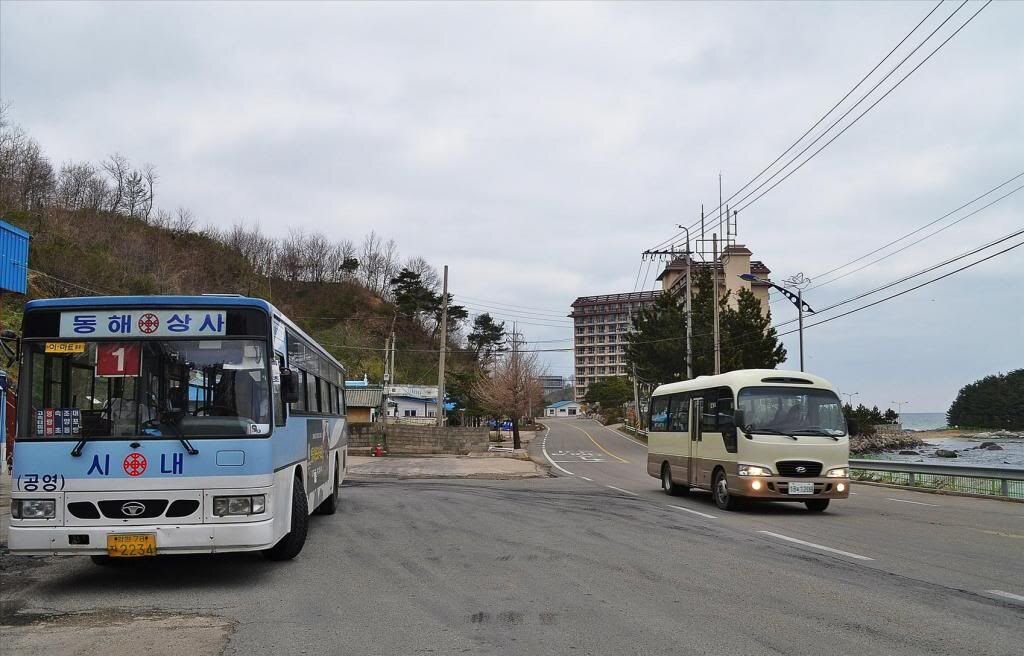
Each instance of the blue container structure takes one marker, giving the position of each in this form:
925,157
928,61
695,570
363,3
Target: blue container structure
13,259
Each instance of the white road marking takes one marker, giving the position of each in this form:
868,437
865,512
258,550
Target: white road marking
587,479
1008,595
916,503
816,546
619,489
693,511
544,450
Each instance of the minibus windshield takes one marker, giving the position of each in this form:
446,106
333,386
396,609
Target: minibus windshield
791,411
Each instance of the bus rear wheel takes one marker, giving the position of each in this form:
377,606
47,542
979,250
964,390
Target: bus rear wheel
291,544
671,488
816,505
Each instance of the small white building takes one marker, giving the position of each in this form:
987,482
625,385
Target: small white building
411,402
562,409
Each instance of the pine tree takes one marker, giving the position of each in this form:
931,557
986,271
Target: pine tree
658,346
748,339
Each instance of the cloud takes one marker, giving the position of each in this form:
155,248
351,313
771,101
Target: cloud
539,148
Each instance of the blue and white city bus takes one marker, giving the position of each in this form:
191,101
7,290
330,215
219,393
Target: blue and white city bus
172,424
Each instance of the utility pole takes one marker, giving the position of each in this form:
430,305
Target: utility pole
714,278
636,399
800,324
444,344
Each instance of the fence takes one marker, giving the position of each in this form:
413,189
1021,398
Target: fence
985,481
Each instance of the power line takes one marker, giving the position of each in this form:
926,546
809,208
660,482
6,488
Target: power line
841,101
914,275
927,225
508,305
915,287
859,116
530,315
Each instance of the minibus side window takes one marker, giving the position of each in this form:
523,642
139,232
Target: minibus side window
680,413
659,413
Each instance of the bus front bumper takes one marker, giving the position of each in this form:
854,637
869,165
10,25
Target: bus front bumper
170,539
779,488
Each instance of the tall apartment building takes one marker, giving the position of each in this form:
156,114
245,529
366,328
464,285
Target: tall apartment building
601,322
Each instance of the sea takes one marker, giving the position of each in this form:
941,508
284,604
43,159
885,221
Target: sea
920,421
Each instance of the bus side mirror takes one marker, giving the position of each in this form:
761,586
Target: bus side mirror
739,418
728,425
289,388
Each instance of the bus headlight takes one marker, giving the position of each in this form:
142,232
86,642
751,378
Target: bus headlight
248,505
754,470
33,508
838,472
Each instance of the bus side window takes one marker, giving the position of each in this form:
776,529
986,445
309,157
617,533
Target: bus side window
679,413
725,416
659,413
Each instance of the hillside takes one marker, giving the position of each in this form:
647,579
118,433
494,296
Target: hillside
96,230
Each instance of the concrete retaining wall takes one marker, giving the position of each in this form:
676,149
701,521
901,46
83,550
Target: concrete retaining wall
418,440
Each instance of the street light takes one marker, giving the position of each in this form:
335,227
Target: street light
849,397
899,410
796,299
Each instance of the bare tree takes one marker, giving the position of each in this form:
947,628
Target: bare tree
512,389
149,177
118,168
426,271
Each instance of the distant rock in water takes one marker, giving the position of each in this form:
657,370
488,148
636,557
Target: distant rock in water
985,445
909,453
994,447
945,453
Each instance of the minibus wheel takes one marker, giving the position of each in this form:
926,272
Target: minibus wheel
816,505
720,490
291,544
671,488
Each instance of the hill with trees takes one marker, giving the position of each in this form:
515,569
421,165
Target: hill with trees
98,229
995,401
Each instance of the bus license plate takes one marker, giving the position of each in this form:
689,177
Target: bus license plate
130,545
801,488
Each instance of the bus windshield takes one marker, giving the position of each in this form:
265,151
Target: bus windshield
173,388
792,411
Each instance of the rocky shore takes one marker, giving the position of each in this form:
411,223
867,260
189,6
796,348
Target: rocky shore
861,444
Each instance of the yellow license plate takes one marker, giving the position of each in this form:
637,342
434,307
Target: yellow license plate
129,545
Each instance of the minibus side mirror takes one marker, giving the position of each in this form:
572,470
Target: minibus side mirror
289,386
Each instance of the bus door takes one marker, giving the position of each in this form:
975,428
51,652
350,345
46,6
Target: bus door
696,405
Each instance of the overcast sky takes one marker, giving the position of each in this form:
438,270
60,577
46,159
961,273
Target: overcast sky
537,149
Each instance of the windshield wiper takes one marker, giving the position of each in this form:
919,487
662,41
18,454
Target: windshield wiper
77,451
180,434
817,431
771,431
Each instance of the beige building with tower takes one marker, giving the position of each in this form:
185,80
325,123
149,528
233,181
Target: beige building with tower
602,322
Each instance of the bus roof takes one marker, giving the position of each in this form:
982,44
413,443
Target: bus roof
746,378
203,300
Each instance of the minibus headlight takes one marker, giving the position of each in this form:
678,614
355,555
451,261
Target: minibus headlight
247,505
838,472
33,508
754,470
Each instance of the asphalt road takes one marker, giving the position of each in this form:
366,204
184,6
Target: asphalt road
568,565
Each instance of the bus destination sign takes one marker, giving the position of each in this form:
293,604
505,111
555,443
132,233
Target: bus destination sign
125,322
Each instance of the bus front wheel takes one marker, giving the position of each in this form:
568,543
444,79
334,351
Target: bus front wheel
720,490
291,544
816,505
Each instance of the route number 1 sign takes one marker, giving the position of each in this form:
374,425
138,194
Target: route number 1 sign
118,360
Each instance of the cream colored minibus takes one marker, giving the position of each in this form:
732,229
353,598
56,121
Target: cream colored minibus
751,434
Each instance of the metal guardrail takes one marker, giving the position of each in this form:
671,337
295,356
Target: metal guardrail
633,430
989,481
